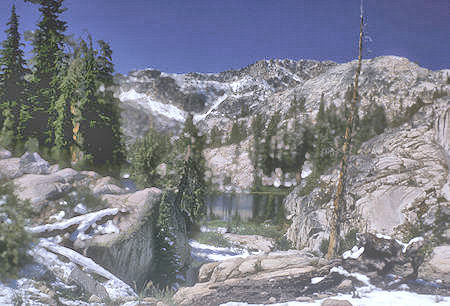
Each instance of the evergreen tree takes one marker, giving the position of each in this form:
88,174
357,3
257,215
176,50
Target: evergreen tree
48,61
145,156
191,188
13,87
215,137
270,146
166,261
322,157
14,239
65,106
257,127
112,139
235,135
98,116
373,123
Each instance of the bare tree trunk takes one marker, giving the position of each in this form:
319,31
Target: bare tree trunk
333,245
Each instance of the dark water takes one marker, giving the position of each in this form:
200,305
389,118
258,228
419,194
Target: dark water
246,206
226,206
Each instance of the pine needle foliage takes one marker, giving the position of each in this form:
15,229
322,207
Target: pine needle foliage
48,49
14,239
192,188
145,156
14,111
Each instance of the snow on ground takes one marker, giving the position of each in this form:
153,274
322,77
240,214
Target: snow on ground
200,117
353,253
205,229
375,298
6,295
84,221
115,287
166,110
208,252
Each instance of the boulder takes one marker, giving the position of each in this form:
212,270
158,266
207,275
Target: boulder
345,286
258,278
251,242
108,185
4,153
89,284
10,168
41,188
438,265
335,302
69,175
129,253
32,163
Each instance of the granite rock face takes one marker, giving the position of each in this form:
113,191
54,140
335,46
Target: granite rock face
397,181
438,265
274,277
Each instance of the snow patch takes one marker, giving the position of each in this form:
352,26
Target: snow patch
407,245
115,287
316,280
354,253
216,104
58,216
84,221
373,298
209,252
167,110
361,277
80,209
383,236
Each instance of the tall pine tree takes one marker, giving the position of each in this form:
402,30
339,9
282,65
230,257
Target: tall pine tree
97,123
13,96
48,46
323,147
70,94
192,189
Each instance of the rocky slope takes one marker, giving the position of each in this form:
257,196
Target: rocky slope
397,185
161,100
301,276
94,238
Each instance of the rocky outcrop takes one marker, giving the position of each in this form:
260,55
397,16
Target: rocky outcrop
438,265
86,221
301,276
396,184
251,242
128,253
275,277
4,153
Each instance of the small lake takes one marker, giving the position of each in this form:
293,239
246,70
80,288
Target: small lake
226,206
246,206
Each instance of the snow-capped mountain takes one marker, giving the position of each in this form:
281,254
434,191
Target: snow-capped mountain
150,97
162,100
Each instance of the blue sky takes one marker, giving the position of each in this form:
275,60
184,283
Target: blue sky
213,36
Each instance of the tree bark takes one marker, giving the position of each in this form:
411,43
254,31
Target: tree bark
338,208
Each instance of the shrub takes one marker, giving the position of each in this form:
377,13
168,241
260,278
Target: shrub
145,156
213,238
14,240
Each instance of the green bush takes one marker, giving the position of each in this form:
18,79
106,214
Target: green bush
145,156
212,238
14,240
